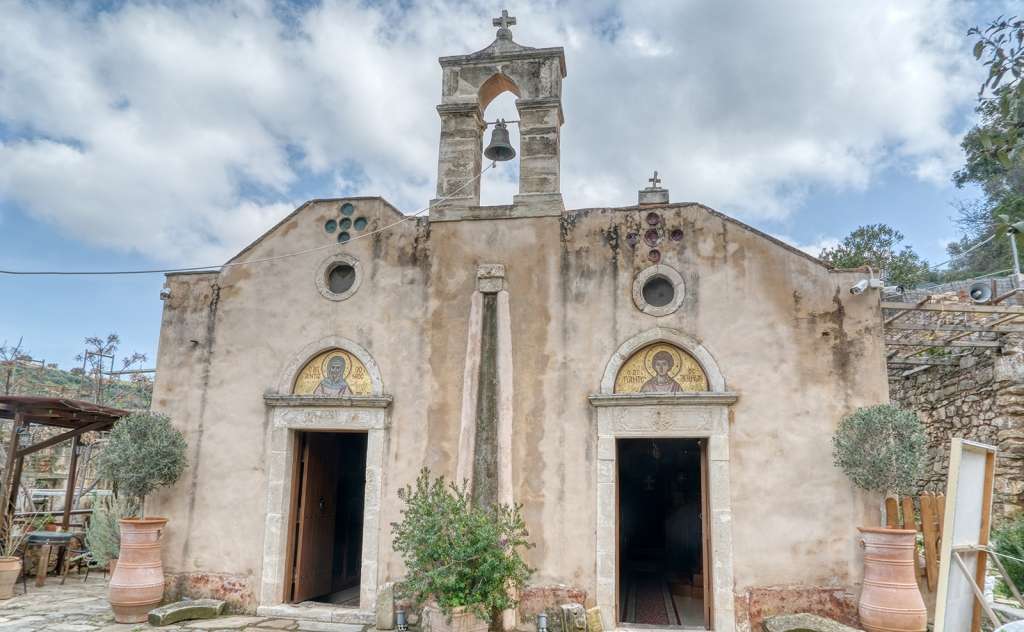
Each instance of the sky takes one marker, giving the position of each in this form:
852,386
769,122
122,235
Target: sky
142,134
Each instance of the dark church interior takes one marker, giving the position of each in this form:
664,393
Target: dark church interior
661,578
348,523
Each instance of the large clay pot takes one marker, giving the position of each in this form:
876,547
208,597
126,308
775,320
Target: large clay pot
137,583
890,600
10,569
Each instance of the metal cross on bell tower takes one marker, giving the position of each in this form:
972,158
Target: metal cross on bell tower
503,22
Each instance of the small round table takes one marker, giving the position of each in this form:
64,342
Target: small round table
45,540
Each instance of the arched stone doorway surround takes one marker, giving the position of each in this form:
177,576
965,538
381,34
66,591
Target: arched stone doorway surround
289,414
703,415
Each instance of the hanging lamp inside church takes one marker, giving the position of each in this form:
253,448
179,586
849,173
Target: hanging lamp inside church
499,148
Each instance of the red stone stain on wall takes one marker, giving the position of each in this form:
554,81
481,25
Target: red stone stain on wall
235,590
758,604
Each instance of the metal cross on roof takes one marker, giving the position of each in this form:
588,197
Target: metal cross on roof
503,22
655,181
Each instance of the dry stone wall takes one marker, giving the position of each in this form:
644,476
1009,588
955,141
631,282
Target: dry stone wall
981,399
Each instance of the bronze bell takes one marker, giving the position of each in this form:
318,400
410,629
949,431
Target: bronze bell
499,149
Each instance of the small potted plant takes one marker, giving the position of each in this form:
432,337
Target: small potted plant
12,540
143,453
463,559
881,448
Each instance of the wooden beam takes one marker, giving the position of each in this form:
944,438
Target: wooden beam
6,485
62,437
69,492
980,329
917,305
918,361
910,372
945,343
957,308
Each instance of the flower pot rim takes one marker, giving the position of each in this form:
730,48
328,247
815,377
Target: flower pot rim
10,558
143,521
889,530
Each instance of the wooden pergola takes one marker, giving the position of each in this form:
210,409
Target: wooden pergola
934,332
77,417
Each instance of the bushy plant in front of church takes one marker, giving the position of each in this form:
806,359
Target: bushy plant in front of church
458,554
143,453
881,448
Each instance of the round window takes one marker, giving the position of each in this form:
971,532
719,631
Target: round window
341,278
659,291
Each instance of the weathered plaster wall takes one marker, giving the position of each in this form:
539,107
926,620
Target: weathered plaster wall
791,341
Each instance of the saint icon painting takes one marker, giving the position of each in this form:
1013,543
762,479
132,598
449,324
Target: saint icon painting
661,368
334,373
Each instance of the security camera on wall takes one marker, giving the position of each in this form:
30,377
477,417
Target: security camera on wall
859,287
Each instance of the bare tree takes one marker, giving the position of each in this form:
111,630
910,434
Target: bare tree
9,357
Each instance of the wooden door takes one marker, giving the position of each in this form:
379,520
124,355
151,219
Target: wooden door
317,513
705,532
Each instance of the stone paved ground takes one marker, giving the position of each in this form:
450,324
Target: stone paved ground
83,607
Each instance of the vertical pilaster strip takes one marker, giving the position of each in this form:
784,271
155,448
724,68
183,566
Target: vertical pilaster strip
470,378
505,398
505,412
485,444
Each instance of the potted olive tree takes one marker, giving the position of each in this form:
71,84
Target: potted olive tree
881,448
143,453
463,559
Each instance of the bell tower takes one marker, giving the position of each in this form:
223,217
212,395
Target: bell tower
469,84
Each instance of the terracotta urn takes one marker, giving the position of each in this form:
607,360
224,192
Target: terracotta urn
890,600
137,582
10,569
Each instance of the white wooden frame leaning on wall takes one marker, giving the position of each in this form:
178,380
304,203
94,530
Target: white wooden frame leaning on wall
657,415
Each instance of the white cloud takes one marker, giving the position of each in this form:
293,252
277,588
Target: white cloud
814,248
183,131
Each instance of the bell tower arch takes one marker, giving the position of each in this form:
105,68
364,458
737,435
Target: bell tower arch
469,83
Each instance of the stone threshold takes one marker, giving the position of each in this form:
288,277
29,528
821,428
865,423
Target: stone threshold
321,612
640,627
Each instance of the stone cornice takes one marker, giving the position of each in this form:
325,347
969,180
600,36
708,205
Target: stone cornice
664,399
356,401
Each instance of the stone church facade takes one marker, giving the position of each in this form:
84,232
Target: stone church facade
606,368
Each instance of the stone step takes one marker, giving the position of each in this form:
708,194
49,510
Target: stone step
186,610
321,613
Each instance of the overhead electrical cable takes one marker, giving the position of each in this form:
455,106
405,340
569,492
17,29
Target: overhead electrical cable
214,268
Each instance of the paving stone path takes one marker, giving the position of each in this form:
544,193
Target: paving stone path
83,607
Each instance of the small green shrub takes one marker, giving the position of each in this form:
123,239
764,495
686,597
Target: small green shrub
457,553
103,536
1008,540
881,448
144,452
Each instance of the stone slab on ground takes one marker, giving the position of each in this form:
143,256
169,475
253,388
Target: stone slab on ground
804,622
186,610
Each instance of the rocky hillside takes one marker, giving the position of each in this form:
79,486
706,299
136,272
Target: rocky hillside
50,381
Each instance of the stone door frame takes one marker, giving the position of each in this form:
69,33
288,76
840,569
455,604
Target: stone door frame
289,415
687,416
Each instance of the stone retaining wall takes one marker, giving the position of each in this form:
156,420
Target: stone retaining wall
982,399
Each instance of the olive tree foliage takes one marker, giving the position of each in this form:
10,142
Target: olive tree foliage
881,448
458,553
143,452
993,152
1000,47
879,246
